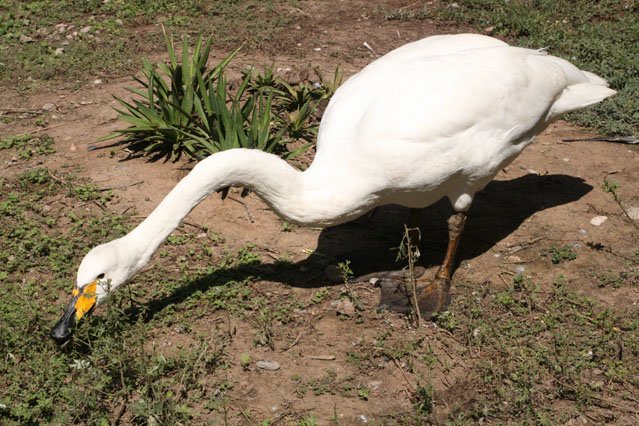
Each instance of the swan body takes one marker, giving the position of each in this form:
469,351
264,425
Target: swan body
435,118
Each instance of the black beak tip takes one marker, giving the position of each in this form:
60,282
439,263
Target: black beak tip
62,331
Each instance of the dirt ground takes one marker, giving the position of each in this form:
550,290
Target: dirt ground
546,197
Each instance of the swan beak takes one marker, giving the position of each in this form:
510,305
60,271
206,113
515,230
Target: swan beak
82,302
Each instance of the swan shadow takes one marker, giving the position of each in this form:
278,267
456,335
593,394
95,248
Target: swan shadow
371,244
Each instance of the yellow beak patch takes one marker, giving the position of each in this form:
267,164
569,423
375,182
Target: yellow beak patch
86,299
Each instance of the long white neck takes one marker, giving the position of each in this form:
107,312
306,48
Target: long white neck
301,198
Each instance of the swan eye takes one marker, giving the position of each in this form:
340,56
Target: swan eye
101,276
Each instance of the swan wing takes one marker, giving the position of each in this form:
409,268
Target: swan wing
504,93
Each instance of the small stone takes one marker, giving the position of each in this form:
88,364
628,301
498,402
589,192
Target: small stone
48,106
97,81
363,418
333,273
25,39
147,199
375,384
73,147
201,235
598,220
59,51
14,159
268,365
533,172
119,21
86,29
583,231
121,166
345,307
514,259
489,30
633,212
566,159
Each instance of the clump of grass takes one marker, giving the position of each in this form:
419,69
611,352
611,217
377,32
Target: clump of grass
536,351
190,111
560,254
598,37
27,146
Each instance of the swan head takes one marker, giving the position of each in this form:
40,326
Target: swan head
102,270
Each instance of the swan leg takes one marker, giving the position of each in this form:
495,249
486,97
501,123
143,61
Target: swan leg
433,295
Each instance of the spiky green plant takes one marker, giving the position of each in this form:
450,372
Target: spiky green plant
187,109
161,119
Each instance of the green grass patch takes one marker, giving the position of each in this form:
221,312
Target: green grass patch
48,221
106,38
27,146
547,356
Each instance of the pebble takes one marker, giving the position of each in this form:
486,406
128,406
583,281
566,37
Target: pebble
633,212
59,51
375,384
86,29
268,365
598,220
25,39
345,307
363,418
73,148
48,106
98,81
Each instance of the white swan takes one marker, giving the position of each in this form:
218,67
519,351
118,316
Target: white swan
435,118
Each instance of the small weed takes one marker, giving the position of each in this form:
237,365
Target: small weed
319,295
612,188
308,420
245,361
559,254
423,400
